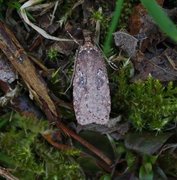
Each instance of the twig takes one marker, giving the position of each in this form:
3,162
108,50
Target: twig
84,143
171,61
53,13
49,139
22,64
6,174
101,163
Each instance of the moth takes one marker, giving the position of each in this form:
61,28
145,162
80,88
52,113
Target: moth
91,93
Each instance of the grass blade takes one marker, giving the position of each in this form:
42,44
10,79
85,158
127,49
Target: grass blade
161,18
114,22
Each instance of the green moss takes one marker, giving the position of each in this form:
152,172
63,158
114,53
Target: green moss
52,54
97,16
27,153
146,104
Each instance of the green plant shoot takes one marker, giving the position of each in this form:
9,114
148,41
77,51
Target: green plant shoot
160,17
114,22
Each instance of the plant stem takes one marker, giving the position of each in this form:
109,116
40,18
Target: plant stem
113,25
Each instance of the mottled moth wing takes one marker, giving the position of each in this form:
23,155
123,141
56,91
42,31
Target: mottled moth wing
91,94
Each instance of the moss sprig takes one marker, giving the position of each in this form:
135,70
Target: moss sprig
146,104
30,156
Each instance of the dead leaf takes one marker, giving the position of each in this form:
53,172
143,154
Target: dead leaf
146,143
126,42
161,67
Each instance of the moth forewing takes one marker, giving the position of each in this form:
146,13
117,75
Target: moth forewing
91,94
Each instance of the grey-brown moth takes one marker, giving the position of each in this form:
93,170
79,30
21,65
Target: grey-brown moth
91,93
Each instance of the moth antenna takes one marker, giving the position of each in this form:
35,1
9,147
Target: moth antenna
74,39
71,82
97,28
111,64
69,85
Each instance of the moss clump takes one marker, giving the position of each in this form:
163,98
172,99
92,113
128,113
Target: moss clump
29,156
52,54
147,104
